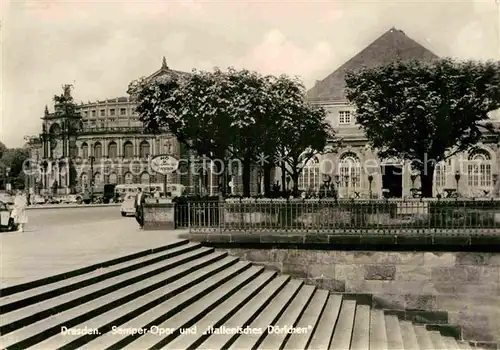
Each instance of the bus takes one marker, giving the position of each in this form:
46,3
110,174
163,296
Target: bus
173,190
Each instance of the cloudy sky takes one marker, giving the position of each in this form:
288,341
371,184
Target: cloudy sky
100,46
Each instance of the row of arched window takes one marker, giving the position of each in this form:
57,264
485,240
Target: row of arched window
128,178
128,150
479,172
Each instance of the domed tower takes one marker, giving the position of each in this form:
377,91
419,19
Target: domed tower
59,135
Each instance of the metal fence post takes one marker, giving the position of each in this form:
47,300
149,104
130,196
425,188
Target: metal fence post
189,215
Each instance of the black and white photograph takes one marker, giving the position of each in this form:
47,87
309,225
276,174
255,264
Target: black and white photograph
250,174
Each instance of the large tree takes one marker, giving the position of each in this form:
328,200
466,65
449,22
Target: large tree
196,108
233,114
13,159
3,148
425,112
303,130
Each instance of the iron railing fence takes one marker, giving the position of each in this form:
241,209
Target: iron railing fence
342,215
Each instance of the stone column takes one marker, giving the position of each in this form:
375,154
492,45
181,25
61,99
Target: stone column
104,143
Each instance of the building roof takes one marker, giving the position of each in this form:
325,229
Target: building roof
164,70
391,46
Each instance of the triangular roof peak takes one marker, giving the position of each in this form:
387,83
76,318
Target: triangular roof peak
391,46
165,70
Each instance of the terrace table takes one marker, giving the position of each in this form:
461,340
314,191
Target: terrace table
450,192
416,192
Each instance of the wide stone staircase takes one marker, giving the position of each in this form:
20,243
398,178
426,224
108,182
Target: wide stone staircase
187,296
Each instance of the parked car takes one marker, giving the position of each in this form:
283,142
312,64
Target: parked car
127,207
6,198
6,222
72,199
52,200
37,199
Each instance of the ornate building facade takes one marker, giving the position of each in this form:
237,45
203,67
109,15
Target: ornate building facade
358,170
103,144
106,144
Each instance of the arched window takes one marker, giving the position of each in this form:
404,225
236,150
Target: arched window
309,178
128,150
112,150
479,170
144,178
85,150
129,178
144,149
55,129
113,179
97,150
350,171
97,178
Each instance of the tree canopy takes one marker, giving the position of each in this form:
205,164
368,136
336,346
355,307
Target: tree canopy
13,159
425,112
234,114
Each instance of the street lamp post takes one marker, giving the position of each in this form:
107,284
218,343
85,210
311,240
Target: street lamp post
7,182
168,146
149,171
457,178
92,159
327,179
370,180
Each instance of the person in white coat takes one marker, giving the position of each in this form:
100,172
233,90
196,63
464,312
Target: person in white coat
18,214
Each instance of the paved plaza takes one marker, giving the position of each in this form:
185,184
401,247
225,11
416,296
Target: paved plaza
61,240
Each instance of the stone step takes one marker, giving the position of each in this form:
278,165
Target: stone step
464,345
323,334
343,329
223,312
33,313
310,317
45,328
423,337
199,298
290,318
451,343
361,331
394,337
155,305
35,295
184,301
188,318
269,316
25,287
409,337
438,341
378,333
245,315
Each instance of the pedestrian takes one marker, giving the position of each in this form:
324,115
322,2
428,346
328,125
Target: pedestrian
18,214
156,194
139,207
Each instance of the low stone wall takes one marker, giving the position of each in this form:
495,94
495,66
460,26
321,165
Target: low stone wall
464,283
159,216
467,285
